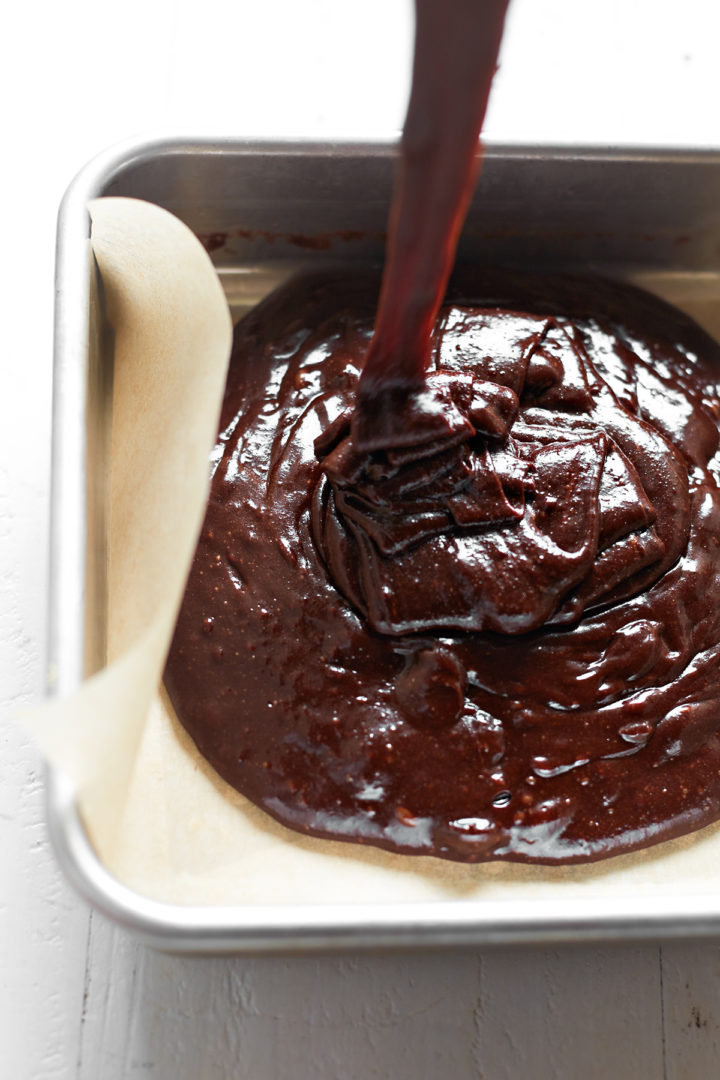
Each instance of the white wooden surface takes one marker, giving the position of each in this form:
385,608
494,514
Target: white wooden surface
78,999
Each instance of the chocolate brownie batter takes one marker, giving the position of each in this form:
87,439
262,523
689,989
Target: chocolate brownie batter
458,588
503,643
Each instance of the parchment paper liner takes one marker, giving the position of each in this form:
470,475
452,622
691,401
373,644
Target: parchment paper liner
159,817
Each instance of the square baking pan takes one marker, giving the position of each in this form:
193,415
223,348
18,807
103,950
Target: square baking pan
265,210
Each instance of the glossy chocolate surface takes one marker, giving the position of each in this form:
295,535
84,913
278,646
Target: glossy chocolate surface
497,640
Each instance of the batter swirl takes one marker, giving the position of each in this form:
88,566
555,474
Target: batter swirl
557,497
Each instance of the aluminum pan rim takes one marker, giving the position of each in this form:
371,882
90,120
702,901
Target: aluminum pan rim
282,928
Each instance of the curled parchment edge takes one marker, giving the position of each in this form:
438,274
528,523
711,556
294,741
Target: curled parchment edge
173,334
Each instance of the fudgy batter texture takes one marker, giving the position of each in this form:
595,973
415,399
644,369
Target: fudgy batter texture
498,640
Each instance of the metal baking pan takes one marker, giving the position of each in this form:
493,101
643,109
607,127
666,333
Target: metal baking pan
265,209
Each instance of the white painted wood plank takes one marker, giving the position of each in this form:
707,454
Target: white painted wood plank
43,932
691,995
329,1018
590,1013
43,928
